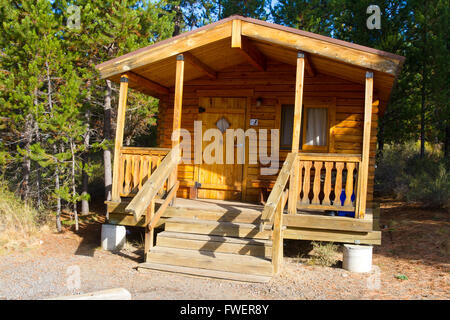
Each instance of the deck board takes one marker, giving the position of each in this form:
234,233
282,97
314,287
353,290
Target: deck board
218,205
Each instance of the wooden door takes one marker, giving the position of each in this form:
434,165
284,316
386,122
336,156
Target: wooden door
221,181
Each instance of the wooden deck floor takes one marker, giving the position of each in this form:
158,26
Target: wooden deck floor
218,205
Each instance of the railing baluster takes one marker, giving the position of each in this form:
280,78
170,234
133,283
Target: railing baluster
127,174
300,180
141,171
316,186
144,170
306,182
121,174
338,184
349,184
327,184
136,174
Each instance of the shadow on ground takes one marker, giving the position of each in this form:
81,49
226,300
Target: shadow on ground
414,233
408,232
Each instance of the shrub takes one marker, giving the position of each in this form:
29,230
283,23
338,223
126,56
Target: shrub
18,226
431,187
402,173
324,254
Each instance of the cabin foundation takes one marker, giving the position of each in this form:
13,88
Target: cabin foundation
113,236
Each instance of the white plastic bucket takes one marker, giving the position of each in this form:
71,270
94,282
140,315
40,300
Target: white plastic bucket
357,258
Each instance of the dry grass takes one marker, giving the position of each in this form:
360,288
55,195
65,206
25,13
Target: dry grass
324,254
18,227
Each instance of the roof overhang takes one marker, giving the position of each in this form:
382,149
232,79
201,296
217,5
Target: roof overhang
211,49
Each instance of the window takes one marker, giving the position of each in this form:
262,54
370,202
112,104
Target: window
316,130
315,136
287,116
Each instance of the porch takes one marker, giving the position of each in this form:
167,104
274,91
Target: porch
318,205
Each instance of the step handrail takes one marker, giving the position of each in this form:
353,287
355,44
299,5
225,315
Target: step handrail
276,195
273,210
153,185
170,195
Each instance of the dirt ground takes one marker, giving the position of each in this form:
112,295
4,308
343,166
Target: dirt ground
412,263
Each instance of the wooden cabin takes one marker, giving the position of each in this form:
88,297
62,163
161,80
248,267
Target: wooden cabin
324,96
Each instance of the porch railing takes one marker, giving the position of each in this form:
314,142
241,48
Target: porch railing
328,181
136,164
274,207
143,203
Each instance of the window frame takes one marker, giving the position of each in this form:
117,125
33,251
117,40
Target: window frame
329,103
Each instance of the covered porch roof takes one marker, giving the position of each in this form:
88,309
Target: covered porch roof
236,40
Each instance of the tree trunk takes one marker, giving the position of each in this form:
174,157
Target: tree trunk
177,20
74,189
38,171
26,162
380,137
447,144
422,120
85,161
423,93
107,137
85,157
58,198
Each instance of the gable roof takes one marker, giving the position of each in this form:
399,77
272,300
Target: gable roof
212,45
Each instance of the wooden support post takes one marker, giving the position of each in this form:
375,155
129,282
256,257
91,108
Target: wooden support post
177,109
364,167
115,195
299,85
277,239
149,232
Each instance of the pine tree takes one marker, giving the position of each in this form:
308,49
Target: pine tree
41,97
109,29
309,15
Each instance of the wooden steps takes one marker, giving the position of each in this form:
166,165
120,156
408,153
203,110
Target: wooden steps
224,263
253,247
219,244
226,241
204,272
228,216
226,229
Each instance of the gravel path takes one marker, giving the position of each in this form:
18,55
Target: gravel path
34,276
44,271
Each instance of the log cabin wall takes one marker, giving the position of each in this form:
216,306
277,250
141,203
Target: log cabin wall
273,86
